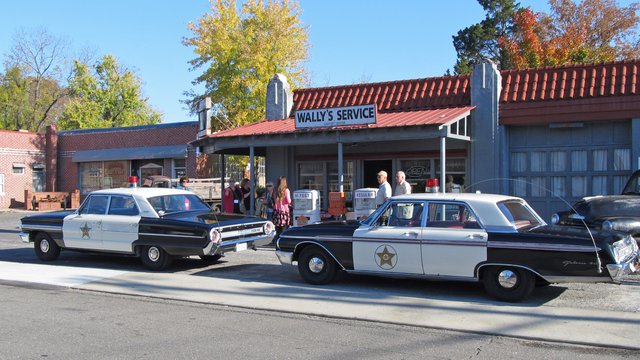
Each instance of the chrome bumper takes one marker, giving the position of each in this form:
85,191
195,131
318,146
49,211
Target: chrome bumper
24,237
230,245
619,271
285,257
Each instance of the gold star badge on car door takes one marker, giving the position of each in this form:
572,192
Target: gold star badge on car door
387,257
85,231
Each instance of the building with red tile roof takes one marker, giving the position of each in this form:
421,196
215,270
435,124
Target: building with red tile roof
543,134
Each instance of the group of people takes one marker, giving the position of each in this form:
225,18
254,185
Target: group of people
384,190
236,198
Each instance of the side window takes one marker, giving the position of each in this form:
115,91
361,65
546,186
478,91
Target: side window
402,214
96,204
448,215
123,205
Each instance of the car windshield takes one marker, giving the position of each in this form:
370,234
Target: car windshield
167,204
633,186
519,214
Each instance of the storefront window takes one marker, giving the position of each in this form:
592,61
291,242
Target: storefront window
311,176
417,171
103,175
455,172
150,168
347,177
90,177
116,174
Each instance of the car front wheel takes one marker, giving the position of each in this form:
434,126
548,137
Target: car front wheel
155,258
46,249
316,266
508,283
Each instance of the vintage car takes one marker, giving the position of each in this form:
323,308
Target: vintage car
155,224
498,240
610,212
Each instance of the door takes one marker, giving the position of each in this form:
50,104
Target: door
120,225
392,243
453,242
371,169
83,229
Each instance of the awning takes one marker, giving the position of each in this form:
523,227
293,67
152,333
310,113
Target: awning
139,153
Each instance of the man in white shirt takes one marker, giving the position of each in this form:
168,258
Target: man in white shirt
384,190
402,187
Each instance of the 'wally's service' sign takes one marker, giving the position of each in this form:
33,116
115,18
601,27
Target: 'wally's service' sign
353,115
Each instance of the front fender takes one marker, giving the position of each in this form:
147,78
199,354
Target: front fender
304,244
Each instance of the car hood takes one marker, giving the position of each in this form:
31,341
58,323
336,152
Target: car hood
609,206
207,217
326,228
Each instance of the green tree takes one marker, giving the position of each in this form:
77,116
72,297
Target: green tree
481,41
15,111
106,95
240,51
36,67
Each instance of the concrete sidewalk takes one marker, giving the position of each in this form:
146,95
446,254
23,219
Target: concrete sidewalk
547,323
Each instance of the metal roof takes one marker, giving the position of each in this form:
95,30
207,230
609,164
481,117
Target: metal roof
384,120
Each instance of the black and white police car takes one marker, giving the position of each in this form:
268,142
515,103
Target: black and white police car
498,240
155,224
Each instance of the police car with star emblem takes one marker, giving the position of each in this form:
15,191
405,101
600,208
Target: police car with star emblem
155,224
494,239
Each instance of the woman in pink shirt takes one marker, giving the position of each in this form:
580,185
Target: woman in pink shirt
281,214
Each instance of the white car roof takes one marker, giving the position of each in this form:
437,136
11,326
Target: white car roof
467,197
484,206
146,192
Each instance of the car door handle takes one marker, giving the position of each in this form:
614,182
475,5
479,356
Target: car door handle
410,234
475,236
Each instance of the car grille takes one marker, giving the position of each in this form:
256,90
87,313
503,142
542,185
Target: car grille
237,232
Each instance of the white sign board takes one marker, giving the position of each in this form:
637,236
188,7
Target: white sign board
344,116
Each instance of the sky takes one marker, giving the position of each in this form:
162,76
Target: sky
352,41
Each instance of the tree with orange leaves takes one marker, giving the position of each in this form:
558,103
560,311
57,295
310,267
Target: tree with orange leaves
591,31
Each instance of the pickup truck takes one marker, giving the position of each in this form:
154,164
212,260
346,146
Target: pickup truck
209,190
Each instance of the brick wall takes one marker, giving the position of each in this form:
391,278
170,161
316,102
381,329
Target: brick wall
21,148
128,137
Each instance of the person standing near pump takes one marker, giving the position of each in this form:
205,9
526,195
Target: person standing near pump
184,182
402,187
384,190
245,187
281,213
228,195
269,200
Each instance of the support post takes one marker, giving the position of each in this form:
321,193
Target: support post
252,183
443,163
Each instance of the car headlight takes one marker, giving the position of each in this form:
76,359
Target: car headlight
215,236
268,227
622,249
607,225
555,218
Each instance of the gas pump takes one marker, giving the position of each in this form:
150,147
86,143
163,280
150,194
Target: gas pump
364,202
306,207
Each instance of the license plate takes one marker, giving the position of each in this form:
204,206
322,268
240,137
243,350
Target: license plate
241,246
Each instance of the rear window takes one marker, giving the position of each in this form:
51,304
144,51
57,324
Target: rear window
519,214
178,202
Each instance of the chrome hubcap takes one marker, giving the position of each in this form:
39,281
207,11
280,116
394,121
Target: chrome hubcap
153,253
507,279
316,265
44,246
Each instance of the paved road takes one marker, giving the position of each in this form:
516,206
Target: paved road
597,314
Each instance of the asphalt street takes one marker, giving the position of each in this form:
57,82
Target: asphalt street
604,315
